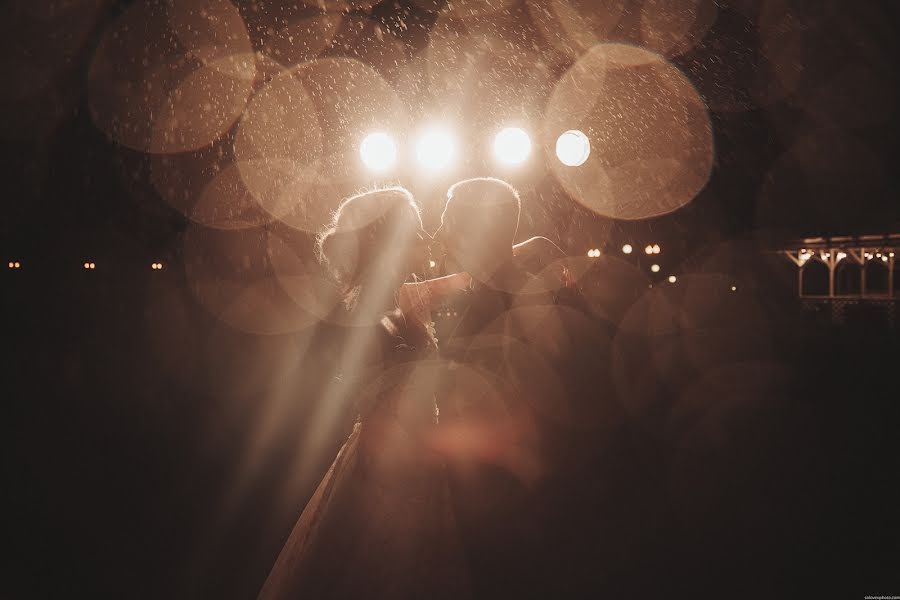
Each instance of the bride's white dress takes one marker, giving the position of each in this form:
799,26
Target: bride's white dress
380,524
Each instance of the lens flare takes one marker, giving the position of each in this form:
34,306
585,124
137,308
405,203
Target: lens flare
573,148
435,150
512,146
378,151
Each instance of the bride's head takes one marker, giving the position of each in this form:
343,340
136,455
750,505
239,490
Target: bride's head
374,241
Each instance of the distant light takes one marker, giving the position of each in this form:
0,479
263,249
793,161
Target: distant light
432,264
435,149
87,265
12,265
672,279
156,266
648,250
573,148
734,288
93,266
17,264
654,268
884,258
512,146
656,249
593,253
891,254
841,255
378,151
627,248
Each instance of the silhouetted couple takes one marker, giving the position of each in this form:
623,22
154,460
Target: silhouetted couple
413,507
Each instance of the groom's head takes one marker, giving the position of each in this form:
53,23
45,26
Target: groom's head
479,223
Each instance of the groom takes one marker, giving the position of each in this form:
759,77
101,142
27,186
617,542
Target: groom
502,518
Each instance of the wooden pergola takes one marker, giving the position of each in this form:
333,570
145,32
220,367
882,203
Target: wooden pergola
862,250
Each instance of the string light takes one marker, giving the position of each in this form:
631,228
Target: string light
648,250
627,248
654,268
672,279
656,249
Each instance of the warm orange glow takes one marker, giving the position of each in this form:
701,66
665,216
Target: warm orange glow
18,264
627,248
11,265
648,250
87,265
93,266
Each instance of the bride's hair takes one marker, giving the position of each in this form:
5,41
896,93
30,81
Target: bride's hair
369,235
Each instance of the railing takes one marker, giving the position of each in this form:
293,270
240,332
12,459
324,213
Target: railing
873,310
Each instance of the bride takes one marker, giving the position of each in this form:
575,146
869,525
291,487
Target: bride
380,523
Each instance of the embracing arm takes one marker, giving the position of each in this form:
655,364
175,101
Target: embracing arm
422,297
540,247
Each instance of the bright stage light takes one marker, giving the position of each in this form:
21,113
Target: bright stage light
378,151
573,148
512,146
435,149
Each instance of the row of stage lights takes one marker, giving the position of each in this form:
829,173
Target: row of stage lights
436,149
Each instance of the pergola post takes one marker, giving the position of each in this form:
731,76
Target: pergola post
890,276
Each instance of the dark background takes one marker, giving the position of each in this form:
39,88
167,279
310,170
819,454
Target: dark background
135,466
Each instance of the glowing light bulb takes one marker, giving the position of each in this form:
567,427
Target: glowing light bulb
654,268
656,249
378,151
435,149
734,288
432,264
648,250
573,148
627,248
512,146
672,279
